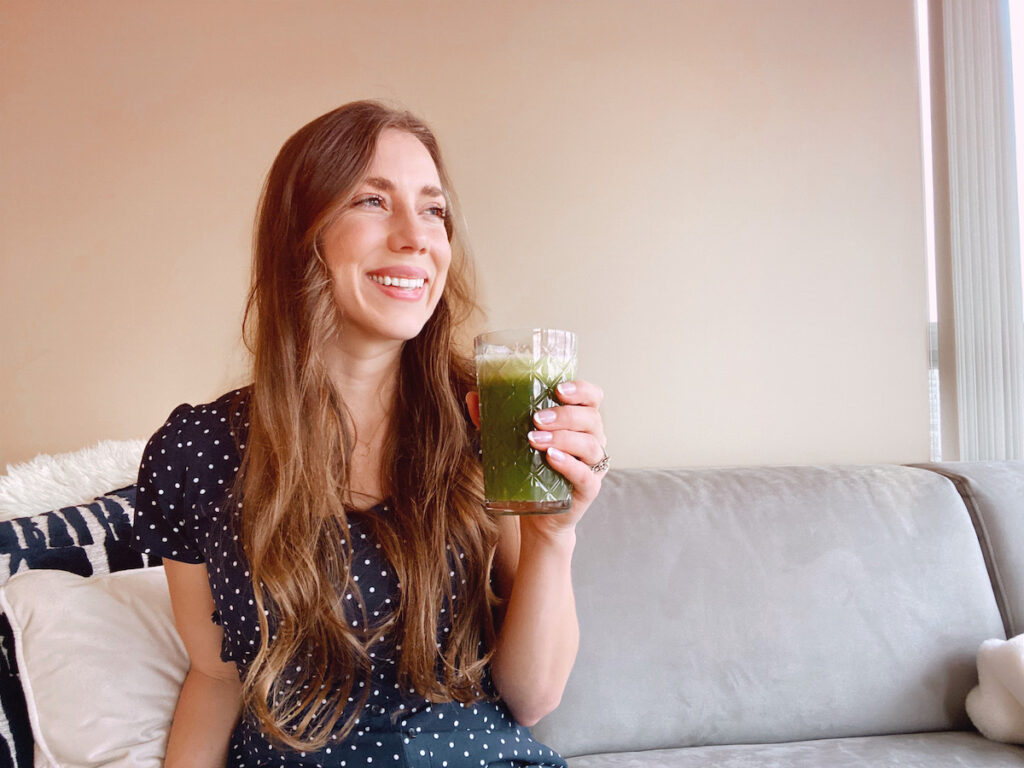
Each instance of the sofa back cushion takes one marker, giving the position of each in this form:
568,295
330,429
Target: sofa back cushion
993,492
765,604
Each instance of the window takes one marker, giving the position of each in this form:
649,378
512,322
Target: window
976,333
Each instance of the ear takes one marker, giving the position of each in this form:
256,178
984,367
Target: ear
473,404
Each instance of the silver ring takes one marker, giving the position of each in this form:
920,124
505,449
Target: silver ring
601,466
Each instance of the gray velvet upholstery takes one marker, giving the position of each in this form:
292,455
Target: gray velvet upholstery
922,750
773,604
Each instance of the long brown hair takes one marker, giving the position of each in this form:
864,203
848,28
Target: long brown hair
295,471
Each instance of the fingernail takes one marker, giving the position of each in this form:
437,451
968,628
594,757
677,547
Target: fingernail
540,437
566,388
556,454
544,417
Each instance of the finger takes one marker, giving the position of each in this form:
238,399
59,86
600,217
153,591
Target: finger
473,404
581,445
580,392
585,483
577,418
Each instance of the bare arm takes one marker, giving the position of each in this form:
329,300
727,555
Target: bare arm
539,634
211,697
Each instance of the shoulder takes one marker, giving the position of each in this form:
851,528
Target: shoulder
198,449
189,427
188,469
194,432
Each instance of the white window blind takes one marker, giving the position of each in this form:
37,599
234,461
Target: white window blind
983,237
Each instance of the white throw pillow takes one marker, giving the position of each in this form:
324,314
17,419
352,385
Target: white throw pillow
101,665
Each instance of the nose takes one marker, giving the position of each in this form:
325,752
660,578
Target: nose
407,232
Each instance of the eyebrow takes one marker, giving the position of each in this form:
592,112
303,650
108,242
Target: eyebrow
385,185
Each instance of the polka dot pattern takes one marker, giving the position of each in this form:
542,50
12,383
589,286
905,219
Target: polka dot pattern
184,512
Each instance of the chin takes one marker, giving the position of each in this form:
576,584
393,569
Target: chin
406,331
410,328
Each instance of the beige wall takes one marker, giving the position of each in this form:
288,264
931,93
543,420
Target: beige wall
722,198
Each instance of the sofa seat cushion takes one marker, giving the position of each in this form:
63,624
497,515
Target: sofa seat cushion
917,750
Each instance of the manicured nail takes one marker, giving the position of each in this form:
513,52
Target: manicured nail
566,388
544,417
556,454
540,437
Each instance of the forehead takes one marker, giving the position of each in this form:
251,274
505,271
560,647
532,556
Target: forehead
401,158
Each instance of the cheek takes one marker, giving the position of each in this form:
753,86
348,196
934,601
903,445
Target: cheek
345,243
442,273
342,279
345,287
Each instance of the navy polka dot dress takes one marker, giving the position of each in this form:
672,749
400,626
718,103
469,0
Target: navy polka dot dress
183,513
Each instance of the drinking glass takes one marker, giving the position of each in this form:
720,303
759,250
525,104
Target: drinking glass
516,373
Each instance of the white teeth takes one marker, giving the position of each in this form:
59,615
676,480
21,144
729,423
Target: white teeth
409,283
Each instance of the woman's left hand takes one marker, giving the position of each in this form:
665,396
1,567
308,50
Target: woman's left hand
572,436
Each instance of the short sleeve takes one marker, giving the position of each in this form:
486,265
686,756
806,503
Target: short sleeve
159,527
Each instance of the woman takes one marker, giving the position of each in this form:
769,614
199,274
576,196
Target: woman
342,594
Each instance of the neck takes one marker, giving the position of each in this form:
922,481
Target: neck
365,377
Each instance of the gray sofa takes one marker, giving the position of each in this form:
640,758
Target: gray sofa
749,616
791,616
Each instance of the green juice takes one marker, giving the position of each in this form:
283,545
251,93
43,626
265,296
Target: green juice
517,478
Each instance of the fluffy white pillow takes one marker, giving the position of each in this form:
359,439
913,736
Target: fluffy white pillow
101,665
66,479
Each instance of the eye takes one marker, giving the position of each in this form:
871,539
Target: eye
369,201
438,211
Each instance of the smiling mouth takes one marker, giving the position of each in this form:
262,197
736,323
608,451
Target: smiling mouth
408,283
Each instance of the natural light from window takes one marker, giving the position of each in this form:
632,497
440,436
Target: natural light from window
923,68
1017,58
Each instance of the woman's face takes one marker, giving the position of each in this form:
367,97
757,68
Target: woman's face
387,251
